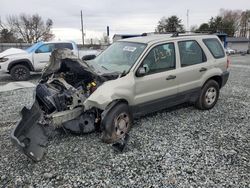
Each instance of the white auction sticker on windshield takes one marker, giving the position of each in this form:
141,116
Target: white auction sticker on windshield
129,48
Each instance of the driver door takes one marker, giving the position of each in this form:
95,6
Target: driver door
42,55
158,85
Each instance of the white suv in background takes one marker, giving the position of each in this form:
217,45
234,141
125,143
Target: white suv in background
19,63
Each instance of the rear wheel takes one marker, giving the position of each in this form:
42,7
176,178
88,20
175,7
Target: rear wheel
208,96
20,72
118,123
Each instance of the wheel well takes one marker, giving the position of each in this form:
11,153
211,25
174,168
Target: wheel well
112,104
218,79
122,101
25,63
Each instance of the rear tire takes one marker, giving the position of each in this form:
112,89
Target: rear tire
208,96
118,123
20,72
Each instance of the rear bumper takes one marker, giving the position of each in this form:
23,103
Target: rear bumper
224,76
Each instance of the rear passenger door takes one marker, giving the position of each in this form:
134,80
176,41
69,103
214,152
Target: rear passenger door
193,64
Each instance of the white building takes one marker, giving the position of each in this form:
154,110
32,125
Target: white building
240,44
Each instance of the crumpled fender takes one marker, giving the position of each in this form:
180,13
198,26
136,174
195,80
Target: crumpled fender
119,89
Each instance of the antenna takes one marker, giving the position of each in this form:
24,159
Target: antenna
176,34
188,20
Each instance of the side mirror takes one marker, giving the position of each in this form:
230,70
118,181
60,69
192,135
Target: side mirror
141,72
88,57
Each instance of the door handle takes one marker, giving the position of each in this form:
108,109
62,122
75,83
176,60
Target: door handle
203,69
170,77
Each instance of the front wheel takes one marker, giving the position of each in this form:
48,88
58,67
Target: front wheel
208,96
118,122
20,72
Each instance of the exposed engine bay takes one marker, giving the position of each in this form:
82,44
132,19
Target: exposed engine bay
58,104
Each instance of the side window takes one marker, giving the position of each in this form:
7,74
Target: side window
64,45
191,53
160,58
214,47
46,48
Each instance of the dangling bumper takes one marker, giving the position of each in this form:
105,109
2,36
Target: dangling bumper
29,135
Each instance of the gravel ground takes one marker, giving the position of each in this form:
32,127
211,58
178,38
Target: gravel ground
178,147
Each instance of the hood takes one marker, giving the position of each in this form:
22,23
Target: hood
12,51
63,60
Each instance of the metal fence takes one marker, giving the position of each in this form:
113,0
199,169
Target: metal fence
5,46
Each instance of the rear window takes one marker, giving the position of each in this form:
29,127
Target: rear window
214,47
64,45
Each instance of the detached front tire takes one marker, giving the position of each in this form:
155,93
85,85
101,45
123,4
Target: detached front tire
208,96
20,72
117,123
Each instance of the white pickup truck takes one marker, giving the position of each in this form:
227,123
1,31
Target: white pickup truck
19,63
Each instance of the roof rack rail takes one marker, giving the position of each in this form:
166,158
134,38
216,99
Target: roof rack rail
177,34
193,34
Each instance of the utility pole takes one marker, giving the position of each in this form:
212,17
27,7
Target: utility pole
82,30
248,35
107,34
188,20
108,31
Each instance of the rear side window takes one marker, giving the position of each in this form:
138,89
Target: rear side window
191,53
214,47
64,45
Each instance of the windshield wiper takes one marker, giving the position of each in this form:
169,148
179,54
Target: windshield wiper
104,67
85,63
123,73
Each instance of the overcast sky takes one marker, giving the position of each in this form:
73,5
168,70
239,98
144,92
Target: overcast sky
127,16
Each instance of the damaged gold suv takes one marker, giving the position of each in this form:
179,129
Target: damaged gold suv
132,77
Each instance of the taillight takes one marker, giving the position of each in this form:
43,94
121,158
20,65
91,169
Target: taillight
228,62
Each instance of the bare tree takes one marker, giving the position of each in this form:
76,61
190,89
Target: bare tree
2,26
230,20
6,35
105,39
31,28
227,21
245,23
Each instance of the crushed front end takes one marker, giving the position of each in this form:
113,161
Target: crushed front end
58,103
